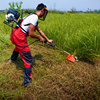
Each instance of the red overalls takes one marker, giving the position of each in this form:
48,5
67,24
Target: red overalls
18,38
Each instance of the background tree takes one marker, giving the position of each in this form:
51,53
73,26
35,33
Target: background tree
16,5
73,10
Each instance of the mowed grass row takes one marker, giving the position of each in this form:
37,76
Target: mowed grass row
78,34
54,78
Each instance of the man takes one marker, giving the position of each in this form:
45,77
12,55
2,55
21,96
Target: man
18,38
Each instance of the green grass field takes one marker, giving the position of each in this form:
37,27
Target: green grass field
78,34
55,78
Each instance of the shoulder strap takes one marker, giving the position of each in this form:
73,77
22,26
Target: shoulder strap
28,16
21,20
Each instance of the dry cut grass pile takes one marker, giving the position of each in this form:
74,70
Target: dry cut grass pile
54,78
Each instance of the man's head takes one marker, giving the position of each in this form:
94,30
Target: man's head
43,11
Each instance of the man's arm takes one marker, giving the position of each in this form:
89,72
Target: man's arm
33,35
43,35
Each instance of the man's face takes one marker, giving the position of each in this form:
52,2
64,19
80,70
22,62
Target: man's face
42,13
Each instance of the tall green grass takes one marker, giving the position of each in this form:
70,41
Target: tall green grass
4,32
78,34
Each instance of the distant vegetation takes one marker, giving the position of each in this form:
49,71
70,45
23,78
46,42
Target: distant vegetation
18,5
71,11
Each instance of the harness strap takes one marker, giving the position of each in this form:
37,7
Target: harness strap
28,16
19,23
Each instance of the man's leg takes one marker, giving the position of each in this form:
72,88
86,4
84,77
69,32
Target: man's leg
14,54
27,59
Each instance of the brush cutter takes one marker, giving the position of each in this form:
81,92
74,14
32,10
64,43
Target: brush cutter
69,57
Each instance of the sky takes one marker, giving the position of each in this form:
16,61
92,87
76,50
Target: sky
62,5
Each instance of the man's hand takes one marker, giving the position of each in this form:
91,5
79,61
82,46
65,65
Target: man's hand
50,41
43,35
41,39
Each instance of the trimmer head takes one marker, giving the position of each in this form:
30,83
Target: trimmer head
70,58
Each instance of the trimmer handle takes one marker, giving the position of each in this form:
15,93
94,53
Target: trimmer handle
51,44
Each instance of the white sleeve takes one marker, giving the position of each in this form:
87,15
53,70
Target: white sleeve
33,19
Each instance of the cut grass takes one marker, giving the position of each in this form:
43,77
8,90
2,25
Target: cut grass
54,77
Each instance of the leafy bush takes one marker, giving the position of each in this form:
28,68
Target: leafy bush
16,5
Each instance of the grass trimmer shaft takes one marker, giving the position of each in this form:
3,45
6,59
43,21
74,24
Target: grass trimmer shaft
69,57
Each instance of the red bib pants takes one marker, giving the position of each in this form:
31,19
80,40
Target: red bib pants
18,38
